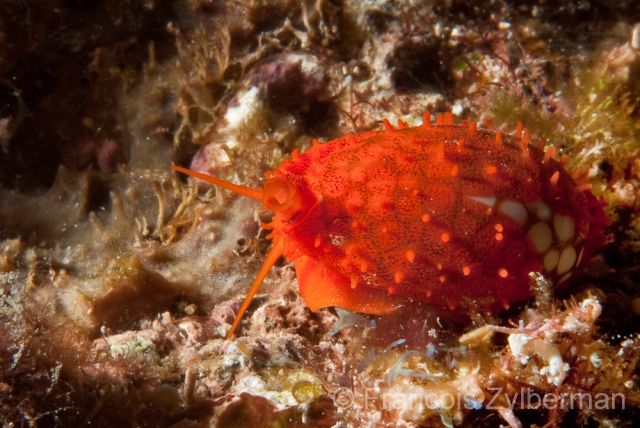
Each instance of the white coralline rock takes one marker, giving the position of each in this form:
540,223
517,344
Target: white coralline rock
238,115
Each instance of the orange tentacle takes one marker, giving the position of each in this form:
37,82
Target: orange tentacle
243,190
274,254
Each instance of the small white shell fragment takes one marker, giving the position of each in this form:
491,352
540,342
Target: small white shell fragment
567,259
247,105
457,109
540,236
517,343
556,371
514,210
551,259
564,226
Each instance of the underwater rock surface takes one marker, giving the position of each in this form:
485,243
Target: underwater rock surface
119,280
